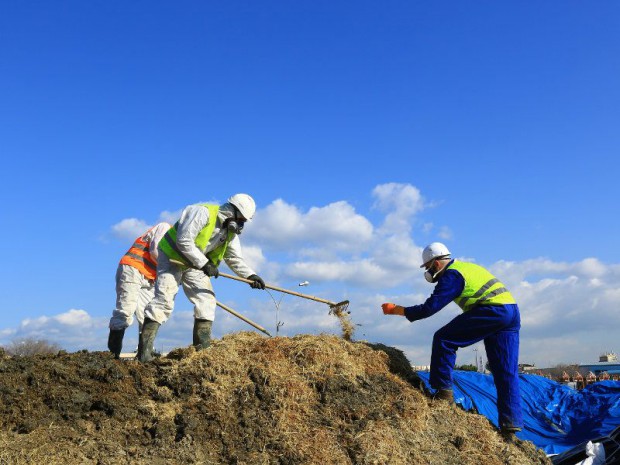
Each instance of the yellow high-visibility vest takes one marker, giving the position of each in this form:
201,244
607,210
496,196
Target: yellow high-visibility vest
481,287
168,244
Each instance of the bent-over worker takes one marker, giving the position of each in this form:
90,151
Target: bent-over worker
135,284
490,314
190,253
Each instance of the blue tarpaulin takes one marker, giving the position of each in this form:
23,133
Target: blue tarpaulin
557,417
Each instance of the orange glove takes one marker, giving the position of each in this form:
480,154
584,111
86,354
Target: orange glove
393,309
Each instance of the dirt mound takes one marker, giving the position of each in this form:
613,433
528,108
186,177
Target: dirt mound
246,400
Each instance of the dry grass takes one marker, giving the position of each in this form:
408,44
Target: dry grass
245,400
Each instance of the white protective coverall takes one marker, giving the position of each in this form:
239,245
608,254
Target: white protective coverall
133,289
196,284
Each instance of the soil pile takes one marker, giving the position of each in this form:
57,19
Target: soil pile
245,400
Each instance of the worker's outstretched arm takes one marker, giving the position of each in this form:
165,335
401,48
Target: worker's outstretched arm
448,287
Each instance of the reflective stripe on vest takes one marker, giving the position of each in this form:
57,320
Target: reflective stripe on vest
481,287
139,257
168,244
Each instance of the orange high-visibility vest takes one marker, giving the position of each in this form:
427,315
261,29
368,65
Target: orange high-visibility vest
139,257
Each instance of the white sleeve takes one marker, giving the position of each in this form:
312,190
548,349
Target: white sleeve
234,259
155,234
193,219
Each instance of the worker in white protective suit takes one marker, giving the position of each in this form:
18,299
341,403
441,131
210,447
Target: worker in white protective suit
135,284
189,255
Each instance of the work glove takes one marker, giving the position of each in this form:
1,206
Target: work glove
257,283
393,309
210,270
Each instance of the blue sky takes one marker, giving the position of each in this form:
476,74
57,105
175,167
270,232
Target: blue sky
363,131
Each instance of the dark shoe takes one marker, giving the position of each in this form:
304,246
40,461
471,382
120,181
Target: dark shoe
147,339
445,394
509,433
115,342
202,334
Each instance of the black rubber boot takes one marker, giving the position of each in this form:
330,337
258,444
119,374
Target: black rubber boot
509,433
147,339
115,342
202,333
445,394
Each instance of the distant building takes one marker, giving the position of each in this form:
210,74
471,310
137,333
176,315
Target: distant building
421,367
527,367
608,362
608,357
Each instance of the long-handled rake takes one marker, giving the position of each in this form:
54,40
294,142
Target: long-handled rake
241,317
337,309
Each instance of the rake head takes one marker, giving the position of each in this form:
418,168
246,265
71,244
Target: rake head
340,308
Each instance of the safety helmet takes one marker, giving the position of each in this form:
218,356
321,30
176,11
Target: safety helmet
434,251
245,204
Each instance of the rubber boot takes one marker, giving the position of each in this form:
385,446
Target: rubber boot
508,433
445,394
202,333
115,341
147,338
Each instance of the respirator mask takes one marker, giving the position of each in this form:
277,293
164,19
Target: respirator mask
429,275
235,224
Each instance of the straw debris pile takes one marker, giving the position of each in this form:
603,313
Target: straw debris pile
245,400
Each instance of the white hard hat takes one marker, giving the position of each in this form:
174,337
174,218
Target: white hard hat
245,204
433,251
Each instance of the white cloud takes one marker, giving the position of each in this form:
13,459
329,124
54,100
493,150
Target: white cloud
70,318
333,227
573,305
72,330
569,310
361,272
74,318
130,228
401,202
170,217
6,333
253,256
398,254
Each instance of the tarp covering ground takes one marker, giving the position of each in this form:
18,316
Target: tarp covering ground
556,416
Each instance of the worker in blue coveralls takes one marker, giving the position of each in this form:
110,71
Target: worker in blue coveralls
490,313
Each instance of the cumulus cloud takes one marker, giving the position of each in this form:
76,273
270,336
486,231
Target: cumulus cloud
170,217
575,303
129,228
400,202
333,227
361,272
569,309
254,257
72,330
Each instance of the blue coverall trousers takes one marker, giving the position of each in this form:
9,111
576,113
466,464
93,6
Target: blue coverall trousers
499,327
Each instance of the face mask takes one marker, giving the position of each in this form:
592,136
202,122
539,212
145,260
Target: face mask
234,225
431,278
429,275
